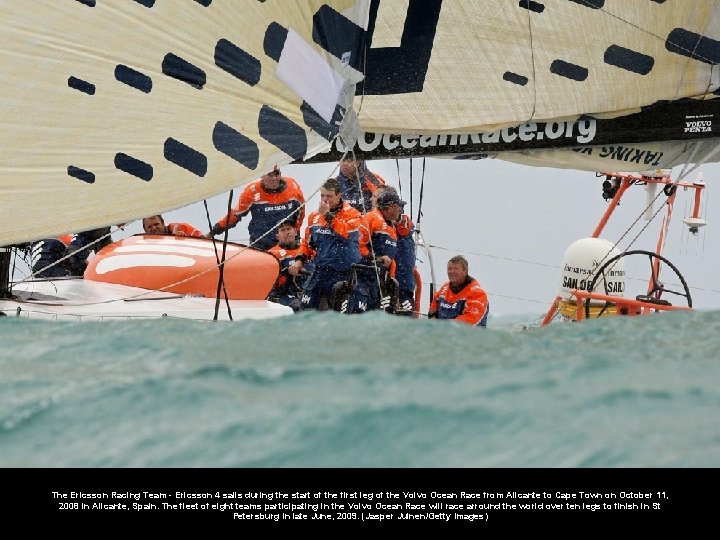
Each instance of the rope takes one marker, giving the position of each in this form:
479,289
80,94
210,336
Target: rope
411,188
553,266
422,188
65,257
217,256
221,273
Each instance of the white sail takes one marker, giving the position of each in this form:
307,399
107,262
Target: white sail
116,109
480,65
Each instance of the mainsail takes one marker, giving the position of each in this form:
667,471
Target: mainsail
116,109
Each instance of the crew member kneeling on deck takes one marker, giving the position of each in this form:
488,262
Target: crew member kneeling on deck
288,288
461,298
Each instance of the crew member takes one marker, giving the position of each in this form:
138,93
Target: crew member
461,298
357,184
380,238
50,251
405,257
288,288
332,242
156,225
270,200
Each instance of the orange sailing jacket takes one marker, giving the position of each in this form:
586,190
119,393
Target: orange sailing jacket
469,305
183,229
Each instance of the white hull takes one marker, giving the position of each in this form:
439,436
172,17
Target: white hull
79,299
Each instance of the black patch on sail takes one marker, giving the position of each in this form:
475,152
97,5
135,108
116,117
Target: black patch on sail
274,41
339,36
134,166
131,77
318,124
593,4
182,70
146,3
566,69
282,132
516,78
237,62
235,145
186,157
205,3
693,45
536,7
618,56
90,3
401,70
83,86
81,174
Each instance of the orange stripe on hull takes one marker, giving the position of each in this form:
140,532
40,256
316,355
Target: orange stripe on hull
158,262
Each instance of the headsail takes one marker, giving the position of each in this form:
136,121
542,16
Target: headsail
115,109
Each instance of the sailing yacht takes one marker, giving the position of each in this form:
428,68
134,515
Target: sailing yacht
113,111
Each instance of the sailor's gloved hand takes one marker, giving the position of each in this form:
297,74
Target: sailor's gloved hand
406,305
217,229
385,302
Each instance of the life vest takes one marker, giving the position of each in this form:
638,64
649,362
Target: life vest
333,245
405,255
183,229
287,284
267,210
469,305
360,197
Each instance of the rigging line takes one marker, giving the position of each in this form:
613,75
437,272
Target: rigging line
362,202
217,257
221,283
411,188
705,159
627,231
494,256
397,164
422,187
553,266
532,61
684,171
190,278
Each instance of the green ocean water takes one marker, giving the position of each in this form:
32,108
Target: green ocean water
326,390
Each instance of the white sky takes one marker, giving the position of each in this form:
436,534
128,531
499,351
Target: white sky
513,223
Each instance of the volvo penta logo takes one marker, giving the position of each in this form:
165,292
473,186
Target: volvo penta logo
698,124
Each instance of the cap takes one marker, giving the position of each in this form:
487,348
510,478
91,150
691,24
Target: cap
387,197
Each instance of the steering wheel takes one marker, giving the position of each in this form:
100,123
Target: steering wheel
653,295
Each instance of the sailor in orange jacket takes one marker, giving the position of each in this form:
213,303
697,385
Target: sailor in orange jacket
358,193
270,200
156,225
379,241
461,298
288,288
332,242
